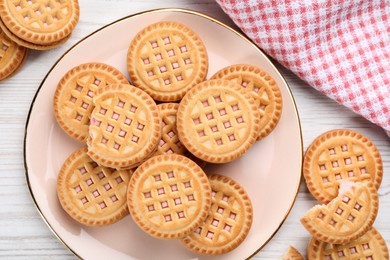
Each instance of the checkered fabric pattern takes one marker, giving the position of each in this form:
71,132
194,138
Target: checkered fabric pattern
340,47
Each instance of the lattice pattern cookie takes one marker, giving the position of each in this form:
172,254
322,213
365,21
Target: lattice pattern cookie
218,121
337,155
169,142
169,196
346,217
12,56
263,89
292,254
125,126
73,102
166,59
39,22
228,221
370,246
91,194
31,45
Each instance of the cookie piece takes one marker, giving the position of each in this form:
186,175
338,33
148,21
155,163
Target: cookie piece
337,155
369,246
228,221
292,254
166,59
218,121
12,56
346,217
263,89
40,22
169,196
73,102
125,126
91,194
169,142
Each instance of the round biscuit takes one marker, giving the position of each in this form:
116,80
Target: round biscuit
263,89
40,22
369,246
166,59
12,56
125,126
336,155
91,194
169,196
218,121
73,97
228,221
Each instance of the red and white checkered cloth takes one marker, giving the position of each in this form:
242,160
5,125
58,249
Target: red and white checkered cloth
340,47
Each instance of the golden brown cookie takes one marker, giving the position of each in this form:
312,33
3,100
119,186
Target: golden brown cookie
125,126
228,221
218,121
369,246
345,218
40,22
30,45
337,155
169,142
263,89
12,56
169,196
292,254
91,194
73,96
166,59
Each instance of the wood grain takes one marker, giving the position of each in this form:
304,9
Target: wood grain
23,233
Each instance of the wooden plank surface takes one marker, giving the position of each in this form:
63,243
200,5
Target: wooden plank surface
23,234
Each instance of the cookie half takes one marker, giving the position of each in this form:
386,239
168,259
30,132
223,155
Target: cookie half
337,155
228,222
346,217
125,126
73,102
91,194
292,254
263,89
166,59
218,121
369,246
169,196
40,22
12,56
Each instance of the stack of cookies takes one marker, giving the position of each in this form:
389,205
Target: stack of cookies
155,135
33,24
343,170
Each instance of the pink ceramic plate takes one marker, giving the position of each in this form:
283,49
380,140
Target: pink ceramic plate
270,171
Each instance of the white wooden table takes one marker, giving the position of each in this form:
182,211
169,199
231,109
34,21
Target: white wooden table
23,234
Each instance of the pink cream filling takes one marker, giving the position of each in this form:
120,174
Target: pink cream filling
345,185
210,235
166,40
174,187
